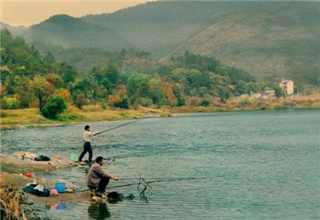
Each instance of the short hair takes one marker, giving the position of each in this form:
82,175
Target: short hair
98,159
86,127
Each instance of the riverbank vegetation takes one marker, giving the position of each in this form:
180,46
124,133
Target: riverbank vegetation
28,118
35,89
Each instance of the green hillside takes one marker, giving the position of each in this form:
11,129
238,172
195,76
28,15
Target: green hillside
271,40
68,32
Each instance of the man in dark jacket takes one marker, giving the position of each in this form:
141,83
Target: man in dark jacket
97,178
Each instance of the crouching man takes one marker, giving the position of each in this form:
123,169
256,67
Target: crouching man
97,178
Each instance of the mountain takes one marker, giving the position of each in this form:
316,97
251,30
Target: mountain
271,40
68,32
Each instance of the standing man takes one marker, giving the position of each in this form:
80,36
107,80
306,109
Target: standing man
97,178
87,145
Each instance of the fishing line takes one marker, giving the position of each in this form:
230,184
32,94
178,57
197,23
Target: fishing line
155,180
139,119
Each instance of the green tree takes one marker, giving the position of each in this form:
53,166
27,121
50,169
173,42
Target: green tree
278,92
54,106
178,94
23,89
68,73
42,90
157,93
137,86
55,79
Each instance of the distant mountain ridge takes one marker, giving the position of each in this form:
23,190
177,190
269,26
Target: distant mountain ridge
271,40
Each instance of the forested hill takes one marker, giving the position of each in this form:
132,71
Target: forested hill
70,32
271,40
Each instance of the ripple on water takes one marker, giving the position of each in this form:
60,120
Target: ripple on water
244,165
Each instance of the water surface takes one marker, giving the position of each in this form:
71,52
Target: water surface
241,165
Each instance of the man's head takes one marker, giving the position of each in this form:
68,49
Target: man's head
100,160
87,128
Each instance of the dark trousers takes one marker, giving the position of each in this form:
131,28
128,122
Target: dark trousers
102,185
86,148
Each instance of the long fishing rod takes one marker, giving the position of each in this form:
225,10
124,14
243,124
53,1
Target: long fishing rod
154,180
118,126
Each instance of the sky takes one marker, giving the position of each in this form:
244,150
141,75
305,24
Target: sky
26,12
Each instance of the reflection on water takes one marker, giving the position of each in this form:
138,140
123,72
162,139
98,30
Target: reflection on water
99,211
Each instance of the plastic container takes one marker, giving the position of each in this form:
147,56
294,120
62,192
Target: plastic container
61,206
73,157
60,187
28,174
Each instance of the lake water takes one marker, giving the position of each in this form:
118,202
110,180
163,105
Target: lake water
236,165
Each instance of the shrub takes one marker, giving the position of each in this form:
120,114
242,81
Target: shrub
145,102
10,103
204,103
80,101
54,106
124,103
244,102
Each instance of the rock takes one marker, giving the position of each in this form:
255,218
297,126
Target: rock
96,199
51,183
69,190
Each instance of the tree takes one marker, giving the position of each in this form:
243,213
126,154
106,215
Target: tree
157,93
178,94
54,106
278,92
80,101
55,79
137,86
23,90
68,73
42,90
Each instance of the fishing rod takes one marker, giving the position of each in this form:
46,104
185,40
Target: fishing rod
118,126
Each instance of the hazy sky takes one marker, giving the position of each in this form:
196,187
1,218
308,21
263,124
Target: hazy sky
26,12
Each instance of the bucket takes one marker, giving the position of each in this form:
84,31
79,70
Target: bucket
60,187
73,157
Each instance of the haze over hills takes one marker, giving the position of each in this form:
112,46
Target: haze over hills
271,40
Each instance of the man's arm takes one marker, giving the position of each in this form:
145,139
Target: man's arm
101,173
96,133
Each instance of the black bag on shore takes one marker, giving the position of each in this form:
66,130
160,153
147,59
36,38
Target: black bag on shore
42,158
31,189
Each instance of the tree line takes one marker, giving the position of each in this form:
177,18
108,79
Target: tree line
29,79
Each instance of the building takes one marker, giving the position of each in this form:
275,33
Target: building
287,86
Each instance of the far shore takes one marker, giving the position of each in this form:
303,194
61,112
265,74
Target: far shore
31,118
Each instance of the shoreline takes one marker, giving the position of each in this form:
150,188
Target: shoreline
31,117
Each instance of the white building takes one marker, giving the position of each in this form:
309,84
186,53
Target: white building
287,86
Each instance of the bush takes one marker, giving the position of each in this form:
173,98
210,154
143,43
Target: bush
124,103
204,103
10,103
244,102
54,106
144,101
80,101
